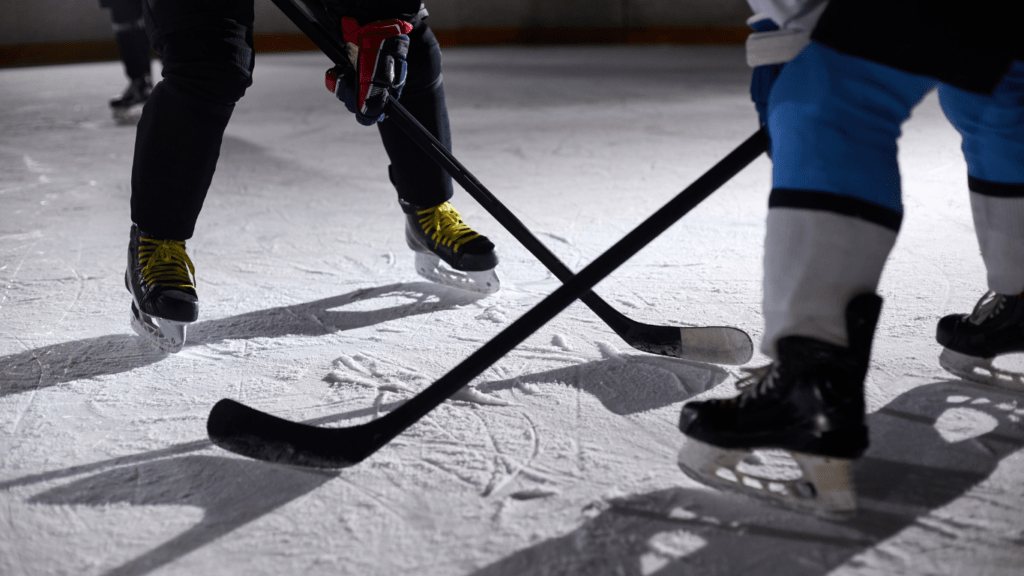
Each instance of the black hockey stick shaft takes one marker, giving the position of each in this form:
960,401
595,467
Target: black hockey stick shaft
725,346
720,345
252,433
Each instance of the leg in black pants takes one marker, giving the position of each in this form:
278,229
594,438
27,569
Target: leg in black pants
418,179
434,229
133,48
206,48
207,52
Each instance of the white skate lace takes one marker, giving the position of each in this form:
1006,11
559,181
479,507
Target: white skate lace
757,381
990,305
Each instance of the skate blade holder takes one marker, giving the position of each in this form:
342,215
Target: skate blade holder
980,370
430,267
805,482
167,335
127,115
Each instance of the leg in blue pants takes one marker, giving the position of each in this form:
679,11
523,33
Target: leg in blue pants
835,206
834,213
993,144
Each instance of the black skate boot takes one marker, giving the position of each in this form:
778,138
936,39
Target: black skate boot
161,278
438,234
127,107
808,404
972,341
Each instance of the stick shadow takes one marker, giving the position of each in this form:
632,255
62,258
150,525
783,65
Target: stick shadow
930,446
230,492
113,354
628,383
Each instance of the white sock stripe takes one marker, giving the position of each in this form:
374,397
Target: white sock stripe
814,263
999,226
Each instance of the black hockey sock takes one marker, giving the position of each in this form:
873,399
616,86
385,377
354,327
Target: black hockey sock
133,44
418,179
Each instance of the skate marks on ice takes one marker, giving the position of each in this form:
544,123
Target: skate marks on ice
624,383
494,451
386,376
931,447
47,366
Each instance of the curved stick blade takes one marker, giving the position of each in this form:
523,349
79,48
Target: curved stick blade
254,434
710,344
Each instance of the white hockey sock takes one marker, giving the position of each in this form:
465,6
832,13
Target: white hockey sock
999,224
815,262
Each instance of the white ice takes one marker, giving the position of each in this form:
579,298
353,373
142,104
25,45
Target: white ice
561,458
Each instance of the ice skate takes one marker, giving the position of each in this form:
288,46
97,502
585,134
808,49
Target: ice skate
448,251
161,279
127,108
973,341
794,431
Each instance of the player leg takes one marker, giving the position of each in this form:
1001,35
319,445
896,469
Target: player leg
133,47
834,213
447,249
208,62
993,144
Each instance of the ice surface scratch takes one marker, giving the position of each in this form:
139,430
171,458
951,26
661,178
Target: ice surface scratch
17,269
80,284
534,438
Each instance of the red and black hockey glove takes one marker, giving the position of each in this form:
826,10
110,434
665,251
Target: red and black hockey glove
378,52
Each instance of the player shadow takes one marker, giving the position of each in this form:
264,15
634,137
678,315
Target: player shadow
930,446
625,384
230,492
113,354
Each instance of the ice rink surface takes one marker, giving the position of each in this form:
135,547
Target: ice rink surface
561,459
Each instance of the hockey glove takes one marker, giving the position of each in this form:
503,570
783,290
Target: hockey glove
378,53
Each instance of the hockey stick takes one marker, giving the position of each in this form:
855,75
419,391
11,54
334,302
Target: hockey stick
714,344
249,432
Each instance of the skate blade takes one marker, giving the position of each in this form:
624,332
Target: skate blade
825,487
430,267
127,116
167,335
980,370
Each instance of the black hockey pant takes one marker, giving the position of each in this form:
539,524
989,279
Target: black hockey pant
207,53
130,35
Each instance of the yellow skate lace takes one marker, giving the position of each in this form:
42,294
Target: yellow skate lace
165,263
447,226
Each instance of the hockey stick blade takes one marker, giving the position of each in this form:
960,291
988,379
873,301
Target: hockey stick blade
258,435
249,432
713,344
